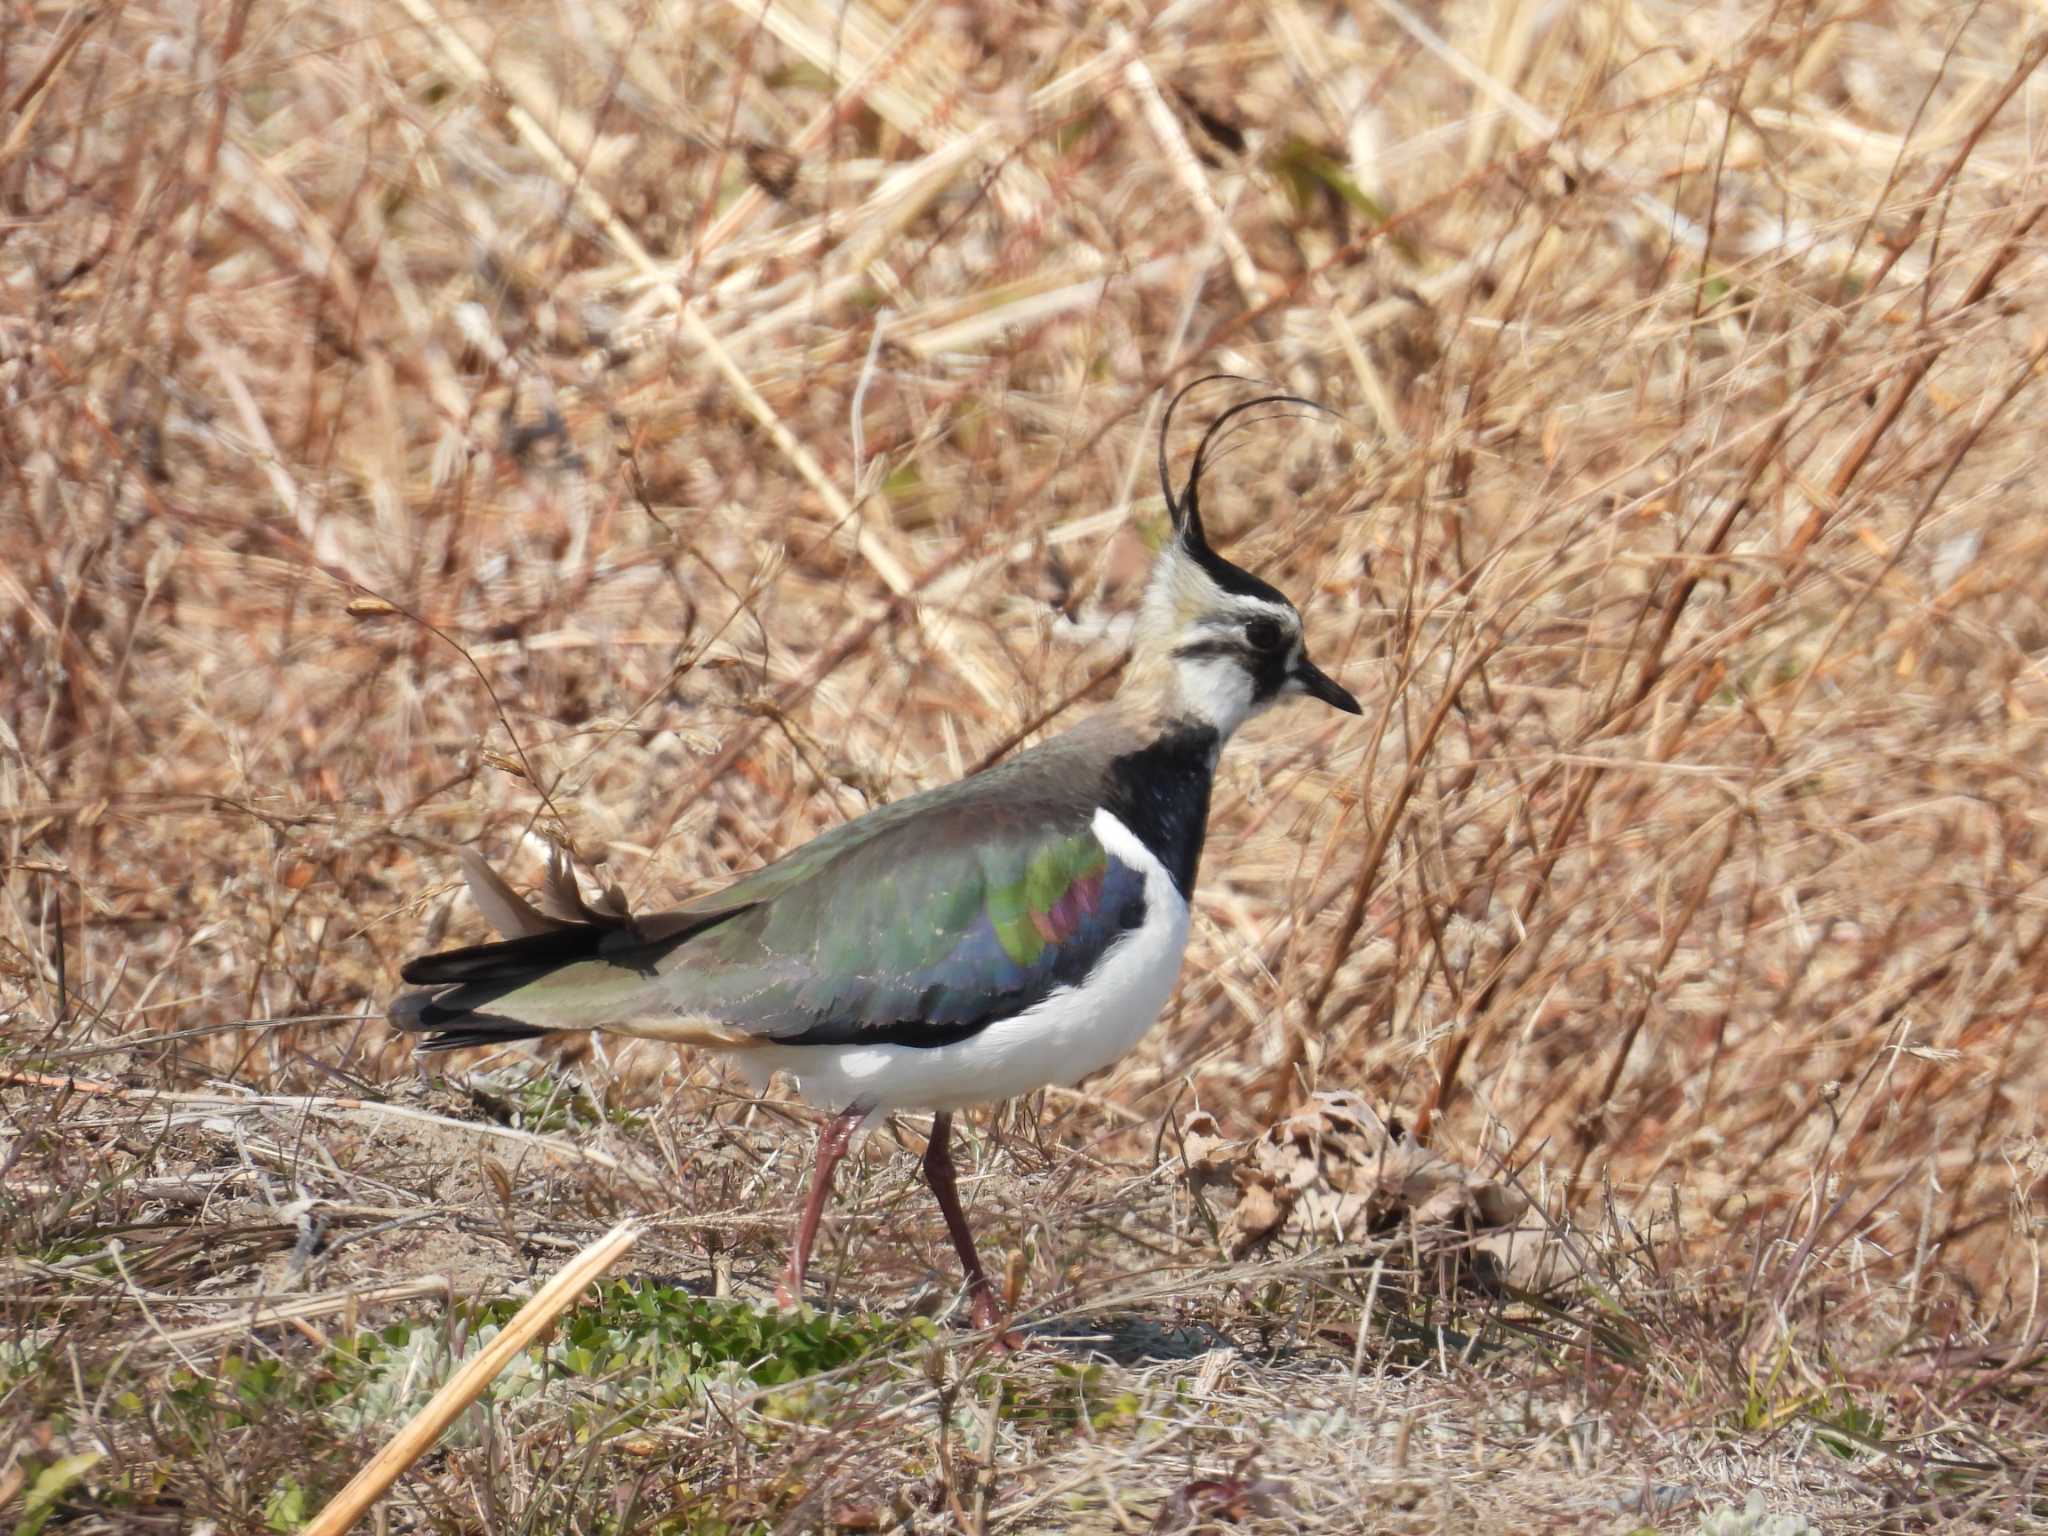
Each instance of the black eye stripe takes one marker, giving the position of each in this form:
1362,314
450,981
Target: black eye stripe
1196,650
1234,648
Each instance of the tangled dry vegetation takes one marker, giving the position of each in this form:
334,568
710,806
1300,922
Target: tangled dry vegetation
669,429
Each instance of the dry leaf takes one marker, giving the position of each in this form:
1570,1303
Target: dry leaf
1334,1172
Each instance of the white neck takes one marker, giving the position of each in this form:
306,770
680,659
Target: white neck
1214,690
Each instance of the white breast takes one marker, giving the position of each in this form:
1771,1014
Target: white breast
1073,1032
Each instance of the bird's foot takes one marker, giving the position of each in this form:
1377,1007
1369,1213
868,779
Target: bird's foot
988,1316
789,1293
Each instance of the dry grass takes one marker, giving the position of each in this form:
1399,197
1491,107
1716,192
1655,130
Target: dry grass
671,430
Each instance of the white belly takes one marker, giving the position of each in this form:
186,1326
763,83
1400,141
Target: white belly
1061,1040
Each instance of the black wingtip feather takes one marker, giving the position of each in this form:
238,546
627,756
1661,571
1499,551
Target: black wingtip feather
439,1015
526,957
482,1031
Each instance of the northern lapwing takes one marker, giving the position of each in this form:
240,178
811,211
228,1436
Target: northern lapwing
1020,928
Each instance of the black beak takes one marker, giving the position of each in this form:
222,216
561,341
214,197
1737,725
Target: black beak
1318,684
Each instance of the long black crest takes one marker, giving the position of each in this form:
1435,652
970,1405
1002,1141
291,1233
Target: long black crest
1186,508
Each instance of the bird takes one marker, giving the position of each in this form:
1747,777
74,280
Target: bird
1016,929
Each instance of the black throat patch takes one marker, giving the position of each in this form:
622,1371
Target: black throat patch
1161,793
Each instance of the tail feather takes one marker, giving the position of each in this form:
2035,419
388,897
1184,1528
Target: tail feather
503,908
551,972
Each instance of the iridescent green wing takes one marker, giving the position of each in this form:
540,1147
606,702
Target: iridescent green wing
918,924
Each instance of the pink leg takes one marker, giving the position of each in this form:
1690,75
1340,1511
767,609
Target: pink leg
833,1138
939,1173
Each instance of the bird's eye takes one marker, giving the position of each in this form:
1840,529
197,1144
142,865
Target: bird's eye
1262,635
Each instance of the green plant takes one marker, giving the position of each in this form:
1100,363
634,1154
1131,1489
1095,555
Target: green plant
1751,1520
649,1346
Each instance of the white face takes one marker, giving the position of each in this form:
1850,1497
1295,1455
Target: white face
1235,659
1230,643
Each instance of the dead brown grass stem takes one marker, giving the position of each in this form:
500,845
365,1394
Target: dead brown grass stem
28,101
855,642
1588,1112
272,1312
1916,369
1653,671
1854,460
419,1434
1369,867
